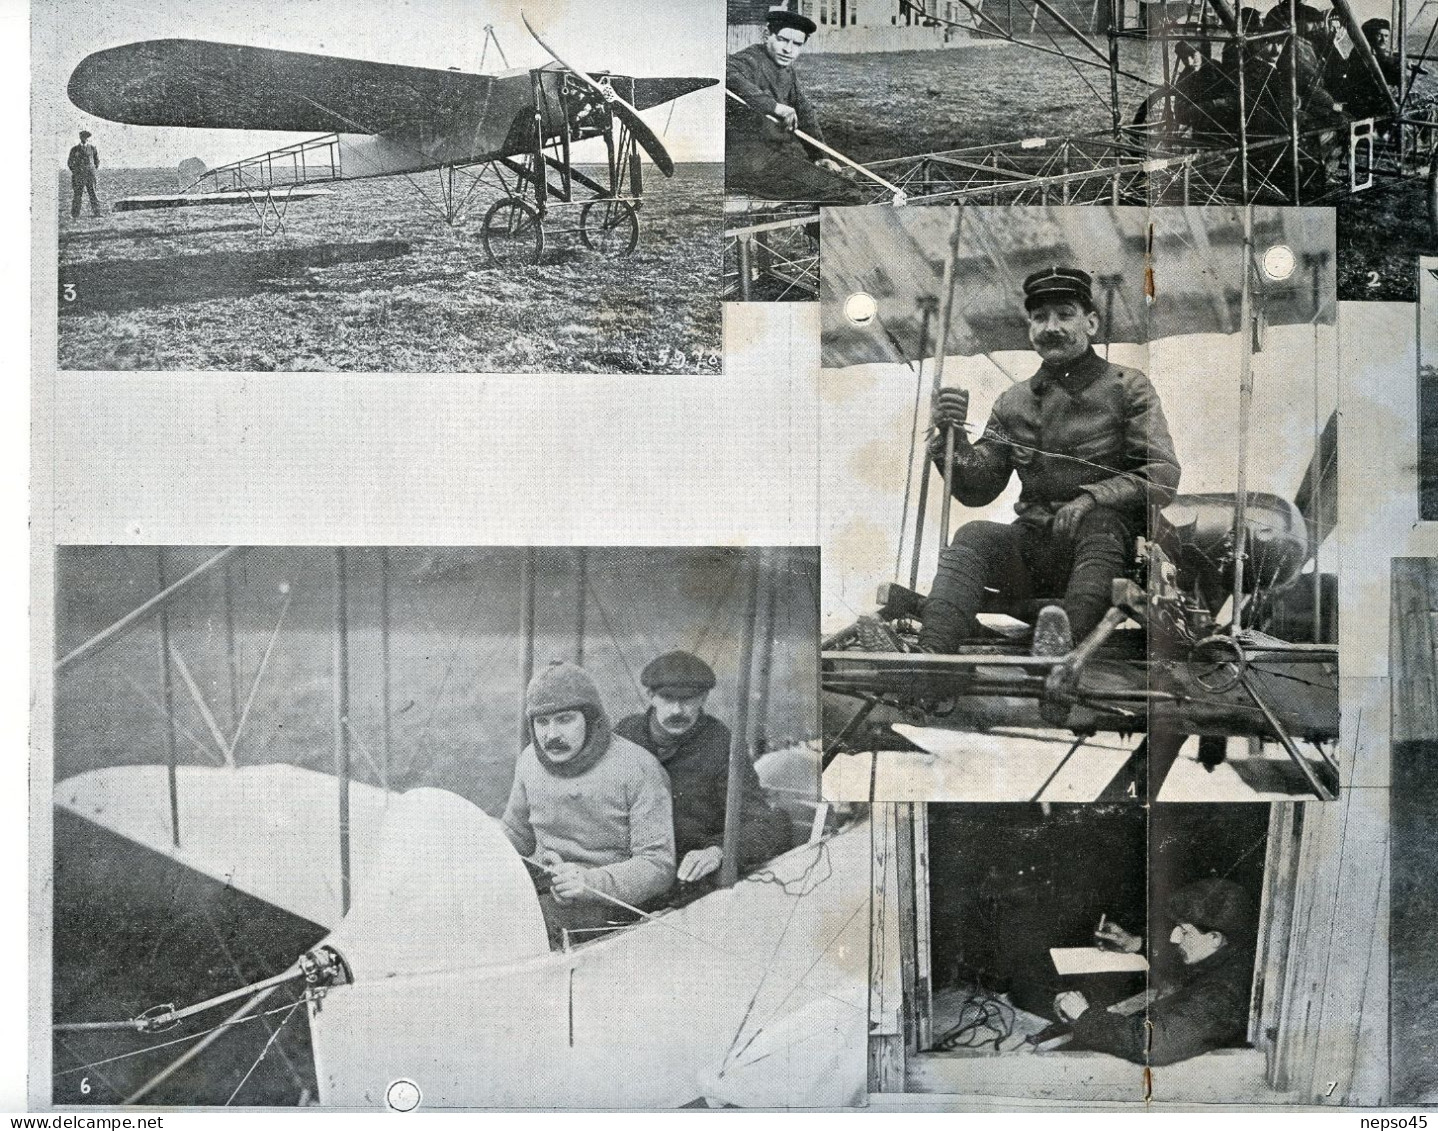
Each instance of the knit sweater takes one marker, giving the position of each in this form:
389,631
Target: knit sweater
614,819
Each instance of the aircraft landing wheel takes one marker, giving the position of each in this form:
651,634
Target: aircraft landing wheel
610,227
513,233
1217,663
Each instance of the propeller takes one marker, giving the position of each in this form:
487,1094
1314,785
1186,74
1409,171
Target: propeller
626,113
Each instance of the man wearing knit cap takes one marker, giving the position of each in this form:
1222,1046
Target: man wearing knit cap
1091,448
694,748
762,157
1205,1007
589,809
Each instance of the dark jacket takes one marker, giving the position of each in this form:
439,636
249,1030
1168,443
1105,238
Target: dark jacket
1206,1009
698,766
1093,426
84,159
1361,96
762,83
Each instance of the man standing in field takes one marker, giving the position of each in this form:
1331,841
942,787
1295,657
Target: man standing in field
763,158
589,810
1090,445
694,750
83,162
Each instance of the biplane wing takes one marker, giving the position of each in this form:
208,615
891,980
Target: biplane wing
898,258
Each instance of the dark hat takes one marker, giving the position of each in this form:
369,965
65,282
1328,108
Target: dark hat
780,18
679,672
1057,284
1213,905
84,134
1277,16
1372,27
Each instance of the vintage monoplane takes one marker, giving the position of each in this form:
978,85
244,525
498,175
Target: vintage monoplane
427,977
1225,626
514,131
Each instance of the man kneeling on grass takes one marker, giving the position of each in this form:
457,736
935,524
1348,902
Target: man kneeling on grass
590,811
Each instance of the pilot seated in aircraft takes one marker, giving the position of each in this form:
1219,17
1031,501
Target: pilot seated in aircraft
1318,66
1203,1006
694,749
762,156
1090,445
589,810
1361,96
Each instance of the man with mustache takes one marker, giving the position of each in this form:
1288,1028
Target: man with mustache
762,156
589,810
694,749
1092,451
1200,1005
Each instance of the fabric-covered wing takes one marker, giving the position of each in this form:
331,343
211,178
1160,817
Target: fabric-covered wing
657,91
199,84
897,256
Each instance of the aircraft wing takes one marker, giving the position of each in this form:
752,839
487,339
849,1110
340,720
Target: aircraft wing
271,831
199,84
657,91
897,256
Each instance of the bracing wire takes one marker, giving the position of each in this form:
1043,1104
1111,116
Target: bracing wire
720,603
90,1065
274,1036
613,637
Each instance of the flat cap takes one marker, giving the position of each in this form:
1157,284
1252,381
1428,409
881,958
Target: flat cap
781,18
1213,905
677,671
1054,284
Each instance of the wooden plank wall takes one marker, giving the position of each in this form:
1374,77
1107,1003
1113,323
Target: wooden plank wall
1331,1043
1413,649
886,992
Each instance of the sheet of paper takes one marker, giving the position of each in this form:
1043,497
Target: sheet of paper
1091,960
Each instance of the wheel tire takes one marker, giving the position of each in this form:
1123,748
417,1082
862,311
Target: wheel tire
513,233
610,227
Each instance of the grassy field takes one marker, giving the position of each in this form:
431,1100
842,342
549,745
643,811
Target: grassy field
1381,232
902,103
372,280
889,105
